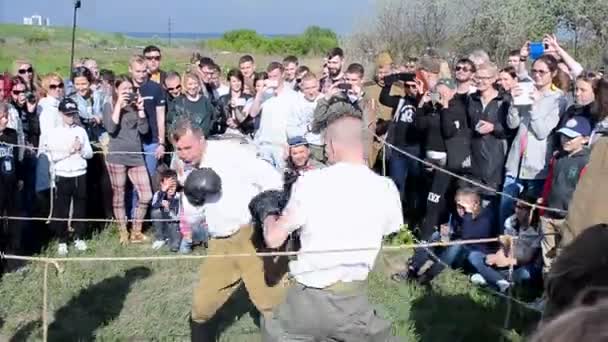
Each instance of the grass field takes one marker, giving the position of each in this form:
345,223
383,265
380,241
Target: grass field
112,51
150,301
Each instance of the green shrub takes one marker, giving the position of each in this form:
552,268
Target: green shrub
38,37
314,40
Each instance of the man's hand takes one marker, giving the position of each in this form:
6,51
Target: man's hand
524,52
485,127
160,151
552,45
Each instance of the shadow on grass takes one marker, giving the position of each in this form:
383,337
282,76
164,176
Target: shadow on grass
439,317
237,306
91,308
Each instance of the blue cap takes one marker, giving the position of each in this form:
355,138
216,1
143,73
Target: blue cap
297,141
577,126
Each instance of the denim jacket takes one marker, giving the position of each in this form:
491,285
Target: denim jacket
87,111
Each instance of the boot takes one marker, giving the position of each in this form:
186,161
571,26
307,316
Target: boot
136,235
124,236
201,332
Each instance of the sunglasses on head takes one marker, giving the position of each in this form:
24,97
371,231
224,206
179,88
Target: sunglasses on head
28,70
150,58
460,67
18,92
179,87
56,86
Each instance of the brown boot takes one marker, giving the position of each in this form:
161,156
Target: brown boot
138,237
124,236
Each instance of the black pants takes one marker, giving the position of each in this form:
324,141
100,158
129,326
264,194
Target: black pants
10,234
68,190
100,188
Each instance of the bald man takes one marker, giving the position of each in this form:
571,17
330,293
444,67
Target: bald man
345,206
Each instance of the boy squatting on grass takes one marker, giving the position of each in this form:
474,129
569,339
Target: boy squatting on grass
166,205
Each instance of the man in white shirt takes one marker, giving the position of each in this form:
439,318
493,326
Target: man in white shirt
228,220
344,206
276,103
299,123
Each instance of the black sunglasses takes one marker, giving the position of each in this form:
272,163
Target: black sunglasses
463,68
55,86
179,87
18,92
156,58
28,70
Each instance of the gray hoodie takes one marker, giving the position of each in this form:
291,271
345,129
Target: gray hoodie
536,123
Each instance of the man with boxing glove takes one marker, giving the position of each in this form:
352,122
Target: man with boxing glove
345,206
220,199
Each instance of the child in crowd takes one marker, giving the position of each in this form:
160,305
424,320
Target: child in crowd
565,169
166,206
9,235
68,149
525,253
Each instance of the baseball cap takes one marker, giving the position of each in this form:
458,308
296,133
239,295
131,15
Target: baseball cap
576,127
448,82
297,141
430,64
68,106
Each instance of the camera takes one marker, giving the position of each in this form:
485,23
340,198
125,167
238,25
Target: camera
30,97
132,97
345,86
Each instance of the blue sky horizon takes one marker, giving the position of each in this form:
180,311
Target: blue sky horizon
190,16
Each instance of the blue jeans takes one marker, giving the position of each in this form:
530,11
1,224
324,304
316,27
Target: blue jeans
520,274
400,166
514,187
274,154
151,163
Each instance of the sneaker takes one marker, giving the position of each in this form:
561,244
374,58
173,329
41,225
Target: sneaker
478,280
503,285
62,249
538,304
80,245
185,247
158,244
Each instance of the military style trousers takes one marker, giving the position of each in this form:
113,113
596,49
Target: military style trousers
220,277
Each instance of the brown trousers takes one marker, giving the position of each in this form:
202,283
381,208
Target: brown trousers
550,244
220,277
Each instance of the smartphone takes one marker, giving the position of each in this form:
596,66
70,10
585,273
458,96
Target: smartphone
345,86
407,77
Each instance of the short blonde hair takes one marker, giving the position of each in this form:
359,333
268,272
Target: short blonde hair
48,78
489,67
137,59
191,76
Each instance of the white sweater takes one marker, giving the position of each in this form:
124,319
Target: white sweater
58,146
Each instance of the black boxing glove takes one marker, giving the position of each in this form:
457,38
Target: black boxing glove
200,184
269,202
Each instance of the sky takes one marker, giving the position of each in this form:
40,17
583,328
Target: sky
199,16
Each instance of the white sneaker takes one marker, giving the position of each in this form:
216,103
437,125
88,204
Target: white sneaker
62,249
80,245
478,280
158,244
503,285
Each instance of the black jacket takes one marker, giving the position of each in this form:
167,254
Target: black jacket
564,175
488,151
9,158
457,132
402,130
429,124
246,127
30,123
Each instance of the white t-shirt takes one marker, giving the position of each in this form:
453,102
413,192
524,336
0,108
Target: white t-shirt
344,206
299,121
275,113
243,176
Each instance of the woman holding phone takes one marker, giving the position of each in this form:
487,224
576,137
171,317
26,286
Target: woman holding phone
528,160
126,122
193,104
234,106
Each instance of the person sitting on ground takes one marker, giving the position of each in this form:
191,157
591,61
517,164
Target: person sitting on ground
472,222
565,170
68,149
526,249
299,159
166,206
